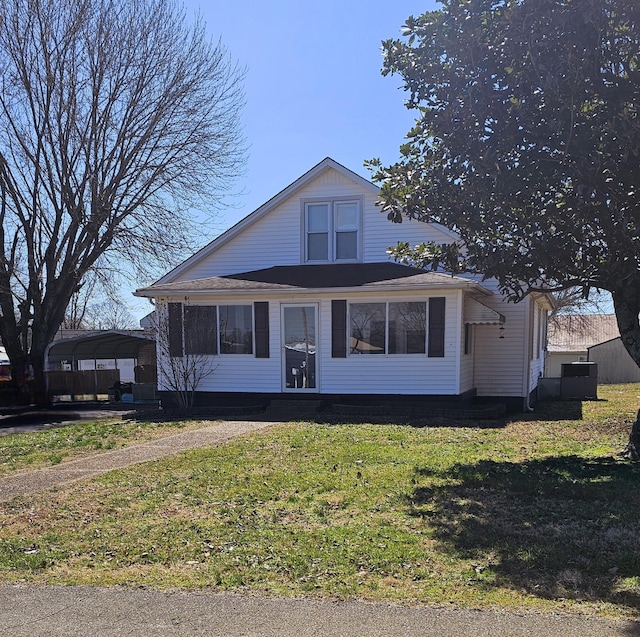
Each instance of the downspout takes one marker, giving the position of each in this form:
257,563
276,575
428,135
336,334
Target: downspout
527,349
459,341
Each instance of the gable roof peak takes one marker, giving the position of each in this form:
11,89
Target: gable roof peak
326,164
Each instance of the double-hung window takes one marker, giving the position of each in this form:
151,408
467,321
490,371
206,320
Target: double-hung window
317,218
332,230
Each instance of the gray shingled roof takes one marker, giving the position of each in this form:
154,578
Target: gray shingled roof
315,277
577,332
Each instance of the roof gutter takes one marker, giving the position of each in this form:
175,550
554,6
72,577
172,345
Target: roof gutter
156,293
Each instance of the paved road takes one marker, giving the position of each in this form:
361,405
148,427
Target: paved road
99,612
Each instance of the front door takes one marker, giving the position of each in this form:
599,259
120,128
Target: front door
299,348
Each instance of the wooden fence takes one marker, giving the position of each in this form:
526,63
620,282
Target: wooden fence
85,384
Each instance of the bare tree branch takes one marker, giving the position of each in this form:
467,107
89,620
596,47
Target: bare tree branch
116,120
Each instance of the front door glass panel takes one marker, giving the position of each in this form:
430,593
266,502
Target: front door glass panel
300,347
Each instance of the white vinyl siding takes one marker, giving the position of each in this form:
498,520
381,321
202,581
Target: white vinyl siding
500,364
387,374
277,237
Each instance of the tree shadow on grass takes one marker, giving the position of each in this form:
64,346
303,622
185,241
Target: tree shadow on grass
559,527
556,410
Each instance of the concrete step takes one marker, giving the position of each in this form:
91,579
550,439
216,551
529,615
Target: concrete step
294,407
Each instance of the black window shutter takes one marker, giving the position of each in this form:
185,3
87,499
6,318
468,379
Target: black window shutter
261,319
175,329
436,326
338,329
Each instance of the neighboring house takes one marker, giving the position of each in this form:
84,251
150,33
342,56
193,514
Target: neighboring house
571,335
5,365
615,365
300,299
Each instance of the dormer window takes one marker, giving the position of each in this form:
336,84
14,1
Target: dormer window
332,230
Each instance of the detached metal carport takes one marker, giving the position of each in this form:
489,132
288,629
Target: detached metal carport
112,345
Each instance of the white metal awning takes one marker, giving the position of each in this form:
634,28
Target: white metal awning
478,313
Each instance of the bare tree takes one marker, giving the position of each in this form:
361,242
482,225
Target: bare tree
184,367
74,318
116,119
573,301
110,314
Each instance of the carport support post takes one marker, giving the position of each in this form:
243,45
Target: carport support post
95,378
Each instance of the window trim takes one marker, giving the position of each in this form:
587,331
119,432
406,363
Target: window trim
332,231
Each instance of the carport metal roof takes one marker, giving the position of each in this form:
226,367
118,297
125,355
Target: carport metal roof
109,344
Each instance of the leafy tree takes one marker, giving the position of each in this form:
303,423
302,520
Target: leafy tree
527,143
116,119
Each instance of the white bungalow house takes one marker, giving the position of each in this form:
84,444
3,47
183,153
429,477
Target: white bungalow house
300,299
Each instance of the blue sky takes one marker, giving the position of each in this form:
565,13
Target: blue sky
313,89
313,86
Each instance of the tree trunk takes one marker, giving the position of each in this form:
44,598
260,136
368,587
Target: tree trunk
39,392
632,450
30,381
626,302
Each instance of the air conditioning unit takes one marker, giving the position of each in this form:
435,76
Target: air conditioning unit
579,380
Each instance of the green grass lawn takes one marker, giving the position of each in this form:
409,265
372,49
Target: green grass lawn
532,513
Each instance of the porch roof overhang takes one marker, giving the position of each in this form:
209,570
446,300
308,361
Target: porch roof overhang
108,344
477,313
324,278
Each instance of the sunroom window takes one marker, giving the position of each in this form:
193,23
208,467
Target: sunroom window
236,329
212,329
407,328
413,327
367,322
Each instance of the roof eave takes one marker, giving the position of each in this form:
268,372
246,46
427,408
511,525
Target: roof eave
456,285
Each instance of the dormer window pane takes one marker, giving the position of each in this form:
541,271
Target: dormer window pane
346,245
317,246
346,216
318,232
318,217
